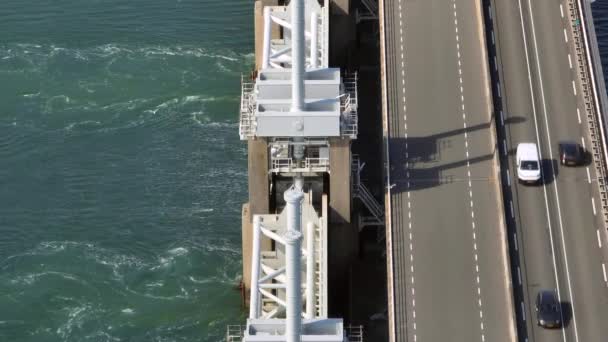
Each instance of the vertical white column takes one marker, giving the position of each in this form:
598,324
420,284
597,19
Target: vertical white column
298,181
293,236
310,270
267,38
313,40
298,51
254,297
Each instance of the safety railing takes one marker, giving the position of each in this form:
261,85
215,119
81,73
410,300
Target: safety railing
592,110
349,106
247,110
234,333
354,333
281,165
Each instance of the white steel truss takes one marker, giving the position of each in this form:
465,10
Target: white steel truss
268,283
277,52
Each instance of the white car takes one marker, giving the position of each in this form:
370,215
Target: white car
528,163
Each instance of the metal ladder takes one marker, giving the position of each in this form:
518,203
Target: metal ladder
361,192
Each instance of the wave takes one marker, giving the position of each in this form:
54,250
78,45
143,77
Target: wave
107,51
32,278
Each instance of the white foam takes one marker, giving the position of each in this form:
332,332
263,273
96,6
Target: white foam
128,311
178,251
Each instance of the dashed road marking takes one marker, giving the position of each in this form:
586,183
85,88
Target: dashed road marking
471,202
561,10
588,176
519,275
512,211
574,87
604,271
599,239
578,114
593,206
565,36
570,61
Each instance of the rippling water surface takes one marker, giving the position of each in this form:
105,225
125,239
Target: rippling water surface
121,172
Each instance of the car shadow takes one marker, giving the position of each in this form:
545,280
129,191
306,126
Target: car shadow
587,158
566,308
550,170
515,120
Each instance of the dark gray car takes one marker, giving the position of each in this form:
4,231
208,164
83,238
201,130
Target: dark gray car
548,309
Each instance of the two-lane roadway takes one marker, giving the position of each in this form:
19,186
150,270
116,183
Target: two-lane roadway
447,248
558,230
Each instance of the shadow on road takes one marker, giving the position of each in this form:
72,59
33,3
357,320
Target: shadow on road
566,313
550,170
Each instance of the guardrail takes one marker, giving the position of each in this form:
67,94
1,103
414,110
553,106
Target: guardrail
592,108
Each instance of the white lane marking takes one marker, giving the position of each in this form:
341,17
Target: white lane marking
583,141
515,242
565,36
498,89
593,206
467,154
502,119
599,239
588,176
504,146
508,178
519,275
493,37
561,10
570,61
490,12
604,271
578,114
523,310
542,91
574,87
512,211
495,63
409,204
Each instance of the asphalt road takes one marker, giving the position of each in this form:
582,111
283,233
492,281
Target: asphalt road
557,239
449,272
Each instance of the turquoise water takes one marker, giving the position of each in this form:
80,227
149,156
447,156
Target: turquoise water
121,172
